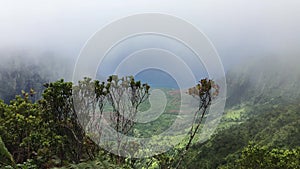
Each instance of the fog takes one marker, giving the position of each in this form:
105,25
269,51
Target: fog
239,29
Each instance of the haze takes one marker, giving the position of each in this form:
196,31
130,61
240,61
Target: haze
239,29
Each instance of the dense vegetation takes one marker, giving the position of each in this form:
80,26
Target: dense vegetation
39,133
40,128
268,129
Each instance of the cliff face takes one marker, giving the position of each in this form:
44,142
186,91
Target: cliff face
263,81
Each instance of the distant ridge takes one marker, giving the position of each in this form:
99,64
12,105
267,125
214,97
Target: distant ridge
264,80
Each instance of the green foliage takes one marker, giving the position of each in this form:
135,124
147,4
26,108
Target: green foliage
29,164
41,131
266,125
256,157
102,161
58,111
48,133
20,127
6,157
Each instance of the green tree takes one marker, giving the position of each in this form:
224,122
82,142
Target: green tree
46,131
59,110
20,123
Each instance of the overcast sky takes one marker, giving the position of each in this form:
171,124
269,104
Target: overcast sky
238,29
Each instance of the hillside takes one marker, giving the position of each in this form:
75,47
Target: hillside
262,108
263,80
262,114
